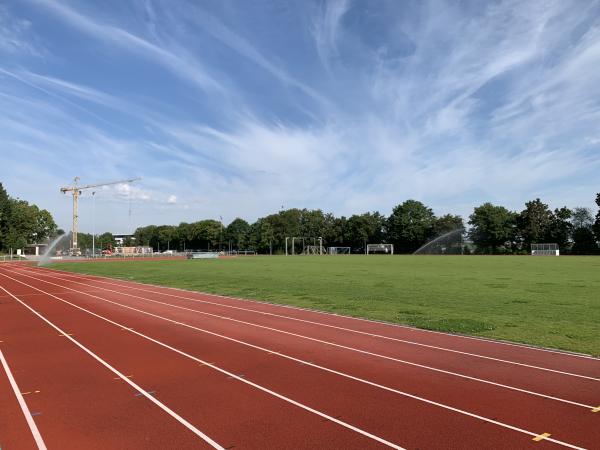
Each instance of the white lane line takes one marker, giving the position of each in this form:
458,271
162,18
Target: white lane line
379,336
396,391
32,426
143,392
99,278
223,371
447,372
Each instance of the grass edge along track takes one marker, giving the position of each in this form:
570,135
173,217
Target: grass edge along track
546,302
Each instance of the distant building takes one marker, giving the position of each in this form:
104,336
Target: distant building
34,249
130,251
120,238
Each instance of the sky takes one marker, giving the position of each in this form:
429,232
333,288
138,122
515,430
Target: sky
233,108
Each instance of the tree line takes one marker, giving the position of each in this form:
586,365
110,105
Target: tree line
22,223
492,229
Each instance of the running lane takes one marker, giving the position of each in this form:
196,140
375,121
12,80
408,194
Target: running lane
14,430
381,412
228,409
74,400
521,354
561,382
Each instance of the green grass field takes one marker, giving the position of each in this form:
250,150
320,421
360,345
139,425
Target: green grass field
550,302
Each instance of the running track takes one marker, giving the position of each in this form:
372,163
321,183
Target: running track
92,362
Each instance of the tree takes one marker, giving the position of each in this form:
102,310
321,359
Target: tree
584,242
582,217
561,227
84,241
367,228
335,231
205,234
167,237
534,223
237,233
147,236
312,223
596,227
447,223
492,228
45,226
24,224
4,214
106,241
410,225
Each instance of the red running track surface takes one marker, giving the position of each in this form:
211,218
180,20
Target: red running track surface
210,371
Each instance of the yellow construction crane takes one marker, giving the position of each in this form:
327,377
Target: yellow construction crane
76,190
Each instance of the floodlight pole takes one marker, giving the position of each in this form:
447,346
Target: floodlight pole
94,224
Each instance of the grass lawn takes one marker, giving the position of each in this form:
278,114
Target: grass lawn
546,301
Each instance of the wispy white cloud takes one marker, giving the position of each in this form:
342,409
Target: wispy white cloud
244,47
486,102
16,37
185,67
325,29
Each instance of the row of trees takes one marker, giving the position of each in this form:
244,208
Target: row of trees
408,227
493,229
22,223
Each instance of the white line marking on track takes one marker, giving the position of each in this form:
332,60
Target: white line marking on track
243,380
161,405
525,391
476,355
100,279
32,426
415,397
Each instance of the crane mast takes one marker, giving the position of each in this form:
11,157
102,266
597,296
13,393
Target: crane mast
76,191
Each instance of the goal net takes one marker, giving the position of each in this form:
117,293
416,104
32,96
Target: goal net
386,249
313,250
300,245
545,250
338,250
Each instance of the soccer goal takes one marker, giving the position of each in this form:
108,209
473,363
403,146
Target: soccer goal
300,245
386,249
338,250
545,250
313,250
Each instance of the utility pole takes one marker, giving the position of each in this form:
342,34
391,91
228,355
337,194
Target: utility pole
221,233
94,224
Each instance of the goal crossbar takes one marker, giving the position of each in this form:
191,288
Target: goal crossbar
339,250
387,249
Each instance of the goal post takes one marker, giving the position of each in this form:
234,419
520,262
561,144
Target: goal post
386,249
545,250
338,250
301,245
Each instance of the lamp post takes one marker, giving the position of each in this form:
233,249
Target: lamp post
221,233
93,224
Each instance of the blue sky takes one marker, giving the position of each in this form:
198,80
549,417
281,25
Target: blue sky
231,108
